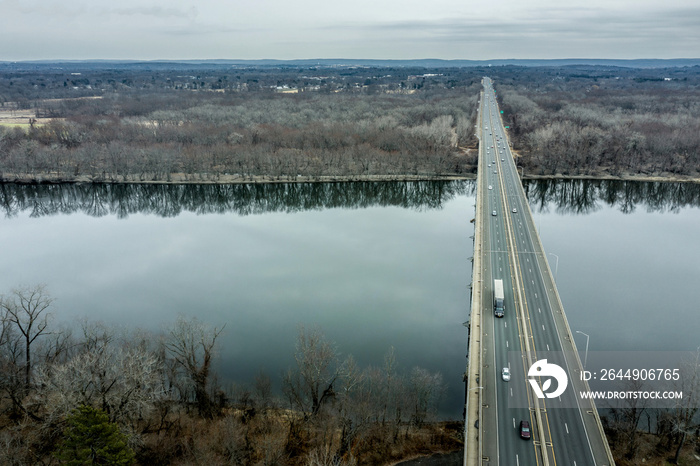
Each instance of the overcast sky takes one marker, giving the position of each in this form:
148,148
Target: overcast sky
382,29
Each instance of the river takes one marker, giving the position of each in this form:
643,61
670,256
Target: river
373,265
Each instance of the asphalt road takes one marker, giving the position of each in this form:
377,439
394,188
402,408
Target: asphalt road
534,326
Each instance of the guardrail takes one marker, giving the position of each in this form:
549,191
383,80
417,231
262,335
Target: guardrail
473,408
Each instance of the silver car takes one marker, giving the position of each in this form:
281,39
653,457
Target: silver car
505,373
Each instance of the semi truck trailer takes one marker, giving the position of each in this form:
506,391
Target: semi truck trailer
499,305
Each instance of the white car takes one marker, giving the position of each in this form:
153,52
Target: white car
515,211
490,187
494,213
505,373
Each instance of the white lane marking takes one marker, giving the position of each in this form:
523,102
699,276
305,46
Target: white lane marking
517,461
511,391
507,344
535,295
565,425
547,347
513,423
542,326
506,324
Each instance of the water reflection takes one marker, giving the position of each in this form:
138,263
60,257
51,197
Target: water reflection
374,265
122,200
588,196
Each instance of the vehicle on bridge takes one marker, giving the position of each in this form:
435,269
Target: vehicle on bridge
525,430
505,374
499,305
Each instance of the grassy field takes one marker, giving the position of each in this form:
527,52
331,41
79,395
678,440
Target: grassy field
20,118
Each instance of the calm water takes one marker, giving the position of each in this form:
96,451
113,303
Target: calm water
628,261
373,264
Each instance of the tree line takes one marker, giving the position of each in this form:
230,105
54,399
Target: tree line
155,399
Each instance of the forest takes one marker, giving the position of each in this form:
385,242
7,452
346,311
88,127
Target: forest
236,125
154,122
599,122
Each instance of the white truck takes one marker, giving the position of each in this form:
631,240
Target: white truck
499,305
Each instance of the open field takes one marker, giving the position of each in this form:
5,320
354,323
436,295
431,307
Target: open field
20,118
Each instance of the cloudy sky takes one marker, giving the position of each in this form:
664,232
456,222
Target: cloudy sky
398,29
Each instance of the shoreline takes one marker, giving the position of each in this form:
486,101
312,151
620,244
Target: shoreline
178,178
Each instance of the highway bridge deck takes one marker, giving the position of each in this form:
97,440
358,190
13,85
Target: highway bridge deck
507,247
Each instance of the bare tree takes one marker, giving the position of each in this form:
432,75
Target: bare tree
625,419
684,414
354,406
425,390
125,384
11,370
122,377
26,310
191,344
310,384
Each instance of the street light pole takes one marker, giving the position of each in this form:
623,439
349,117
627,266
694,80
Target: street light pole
585,360
556,267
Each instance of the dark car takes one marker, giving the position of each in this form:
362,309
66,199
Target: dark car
525,430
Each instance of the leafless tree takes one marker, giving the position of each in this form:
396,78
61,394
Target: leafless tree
124,382
310,384
191,344
684,414
26,309
425,392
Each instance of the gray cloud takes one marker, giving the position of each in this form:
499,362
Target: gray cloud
155,29
556,24
51,9
155,11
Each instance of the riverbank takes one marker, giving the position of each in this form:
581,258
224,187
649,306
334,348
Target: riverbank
181,178
625,177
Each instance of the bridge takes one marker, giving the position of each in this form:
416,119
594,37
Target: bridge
563,429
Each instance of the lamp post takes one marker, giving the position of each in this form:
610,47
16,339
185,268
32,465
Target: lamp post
556,267
585,360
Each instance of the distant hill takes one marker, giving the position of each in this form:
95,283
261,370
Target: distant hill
437,63
342,62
